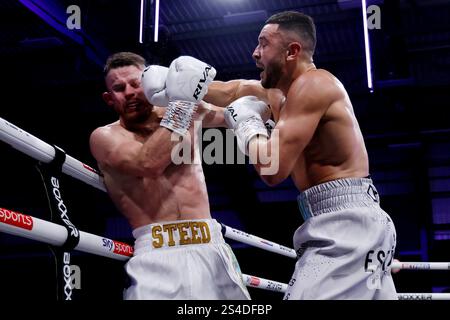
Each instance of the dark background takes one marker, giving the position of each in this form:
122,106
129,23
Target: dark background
51,85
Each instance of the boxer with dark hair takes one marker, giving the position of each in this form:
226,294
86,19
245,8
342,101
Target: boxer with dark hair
347,242
179,252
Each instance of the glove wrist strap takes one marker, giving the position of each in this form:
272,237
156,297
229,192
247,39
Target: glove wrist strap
178,116
247,129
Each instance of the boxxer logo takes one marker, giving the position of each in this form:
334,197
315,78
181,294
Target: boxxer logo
201,82
62,207
72,276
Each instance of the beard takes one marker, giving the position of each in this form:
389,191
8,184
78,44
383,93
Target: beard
272,74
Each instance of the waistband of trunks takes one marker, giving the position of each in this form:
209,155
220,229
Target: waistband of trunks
337,195
171,234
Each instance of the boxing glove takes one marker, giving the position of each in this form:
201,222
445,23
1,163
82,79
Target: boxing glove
188,79
270,125
186,85
247,117
153,84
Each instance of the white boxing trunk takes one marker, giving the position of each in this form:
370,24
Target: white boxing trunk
183,260
346,244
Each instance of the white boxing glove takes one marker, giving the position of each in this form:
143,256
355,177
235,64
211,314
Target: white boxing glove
188,79
186,85
270,125
153,83
247,117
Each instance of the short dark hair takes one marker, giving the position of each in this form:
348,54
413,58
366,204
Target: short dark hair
298,22
123,59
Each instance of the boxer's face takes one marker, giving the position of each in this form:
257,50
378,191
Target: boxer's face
125,93
270,55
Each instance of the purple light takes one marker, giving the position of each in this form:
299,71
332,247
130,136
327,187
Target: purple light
54,15
155,38
143,16
141,21
367,47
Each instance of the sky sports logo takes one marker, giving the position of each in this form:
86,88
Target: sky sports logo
118,247
16,219
254,281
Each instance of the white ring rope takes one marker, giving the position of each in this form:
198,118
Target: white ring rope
26,226
42,151
37,229
424,296
421,265
261,243
265,284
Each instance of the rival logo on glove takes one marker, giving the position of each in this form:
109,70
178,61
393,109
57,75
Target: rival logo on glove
232,112
201,82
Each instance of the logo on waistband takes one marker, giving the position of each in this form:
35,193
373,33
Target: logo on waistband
182,233
373,193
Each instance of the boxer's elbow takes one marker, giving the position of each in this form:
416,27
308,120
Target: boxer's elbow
272,175
272,180
269,180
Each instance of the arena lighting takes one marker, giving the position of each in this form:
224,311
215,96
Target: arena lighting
141,21
233,19
143,16
367,47
155,37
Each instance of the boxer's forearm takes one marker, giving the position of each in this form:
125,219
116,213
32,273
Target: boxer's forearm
214,117
222,93
156,153
265,156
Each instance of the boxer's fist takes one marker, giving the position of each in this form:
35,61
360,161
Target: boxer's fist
247,117
270,125
188,79
244,108
153,83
